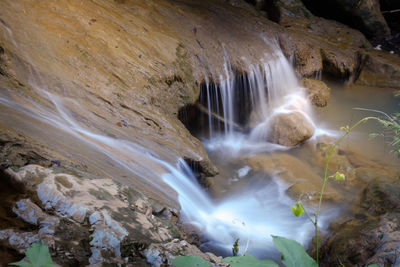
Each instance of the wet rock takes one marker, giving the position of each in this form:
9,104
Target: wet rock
318,91
380,69
290,129
373,236
163,254
319,43
303,183
308,59
380,197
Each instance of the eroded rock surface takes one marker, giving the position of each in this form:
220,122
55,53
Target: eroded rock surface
318,91
98,214
373,236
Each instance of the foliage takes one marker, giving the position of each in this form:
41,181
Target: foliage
248,260
235,249
187,261
297,210
38,256
293,254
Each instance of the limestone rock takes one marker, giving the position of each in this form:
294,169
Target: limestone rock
33,214
163,254
116,215
373,237
318,91
290,129
319,43
380,69
369,13
308,59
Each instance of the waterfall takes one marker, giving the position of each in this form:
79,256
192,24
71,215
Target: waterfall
252,215
269,88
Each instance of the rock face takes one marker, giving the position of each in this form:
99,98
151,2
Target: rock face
318,91
324,44
110,221
363,15
289,129
380,69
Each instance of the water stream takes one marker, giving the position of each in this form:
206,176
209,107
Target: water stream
252,210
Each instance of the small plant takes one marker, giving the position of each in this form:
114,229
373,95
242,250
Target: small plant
38,255
390,123
299,209
235,248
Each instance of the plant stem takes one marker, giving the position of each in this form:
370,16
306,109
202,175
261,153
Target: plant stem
332,149
308,216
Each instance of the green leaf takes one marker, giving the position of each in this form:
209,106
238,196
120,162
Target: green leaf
189,261
247,261
297,210
339,176
373,265
38,256
22,264
293,254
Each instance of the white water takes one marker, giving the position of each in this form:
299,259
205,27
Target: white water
253,214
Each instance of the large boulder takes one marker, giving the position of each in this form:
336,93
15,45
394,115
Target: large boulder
290,129
318,91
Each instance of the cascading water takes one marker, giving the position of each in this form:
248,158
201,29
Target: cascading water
261,209
253,214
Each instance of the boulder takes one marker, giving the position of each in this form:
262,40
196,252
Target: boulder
318,91
290,129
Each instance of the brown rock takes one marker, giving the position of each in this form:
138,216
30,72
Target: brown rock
318,91
290,129
303,182
380,69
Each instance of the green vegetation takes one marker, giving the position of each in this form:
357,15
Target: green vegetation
38,255
186,261
293,255
235,248
248,260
